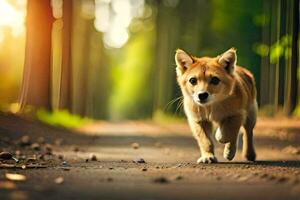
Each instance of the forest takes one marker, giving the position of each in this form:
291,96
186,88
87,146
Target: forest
90,107
114,59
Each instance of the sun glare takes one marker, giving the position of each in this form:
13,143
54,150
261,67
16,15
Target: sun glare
11,17
113,17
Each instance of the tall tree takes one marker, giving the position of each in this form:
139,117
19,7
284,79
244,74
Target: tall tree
35,88
65,87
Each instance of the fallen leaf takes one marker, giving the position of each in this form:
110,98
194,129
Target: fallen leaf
15,177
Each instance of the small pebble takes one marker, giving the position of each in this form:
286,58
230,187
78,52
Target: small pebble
179,165
76,149
25,140
5,155
93,157
109,179
178,177
295,181
18,152
282,180
41,157
271,178
48,149
263,175
139,160
41,140
161,180
35,146
65,163
135,145
158,144
58,142
59,180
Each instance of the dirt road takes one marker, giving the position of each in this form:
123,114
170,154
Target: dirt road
106,161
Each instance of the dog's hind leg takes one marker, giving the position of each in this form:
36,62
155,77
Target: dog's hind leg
248,147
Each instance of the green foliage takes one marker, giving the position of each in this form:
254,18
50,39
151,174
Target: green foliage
281,48
261,49
297,110
61,118
237,24
261,20
131,95
161,116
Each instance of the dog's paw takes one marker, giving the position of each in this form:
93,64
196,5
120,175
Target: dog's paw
229,151
250,155
207,159
219,137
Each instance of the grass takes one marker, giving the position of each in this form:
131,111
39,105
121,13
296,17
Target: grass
61,118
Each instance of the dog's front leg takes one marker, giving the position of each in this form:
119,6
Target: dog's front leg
201,131
227,133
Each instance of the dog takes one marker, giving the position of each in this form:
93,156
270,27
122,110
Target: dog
217,91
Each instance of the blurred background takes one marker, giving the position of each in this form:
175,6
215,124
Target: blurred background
68,60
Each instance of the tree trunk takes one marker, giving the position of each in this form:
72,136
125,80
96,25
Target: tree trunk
295,58
35,88
65,87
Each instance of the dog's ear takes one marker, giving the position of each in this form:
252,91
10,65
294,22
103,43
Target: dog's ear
228,60
183,61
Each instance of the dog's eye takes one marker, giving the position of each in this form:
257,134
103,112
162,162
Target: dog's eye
214,80
193,81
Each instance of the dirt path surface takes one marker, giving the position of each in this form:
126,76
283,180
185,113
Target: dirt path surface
106,161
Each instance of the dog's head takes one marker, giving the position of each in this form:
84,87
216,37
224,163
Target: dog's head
206,80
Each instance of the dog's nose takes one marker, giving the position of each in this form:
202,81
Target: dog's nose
203,96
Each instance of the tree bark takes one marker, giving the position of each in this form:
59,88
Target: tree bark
295,58
66,87
35,89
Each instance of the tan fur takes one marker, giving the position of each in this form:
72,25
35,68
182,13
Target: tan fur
231,102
